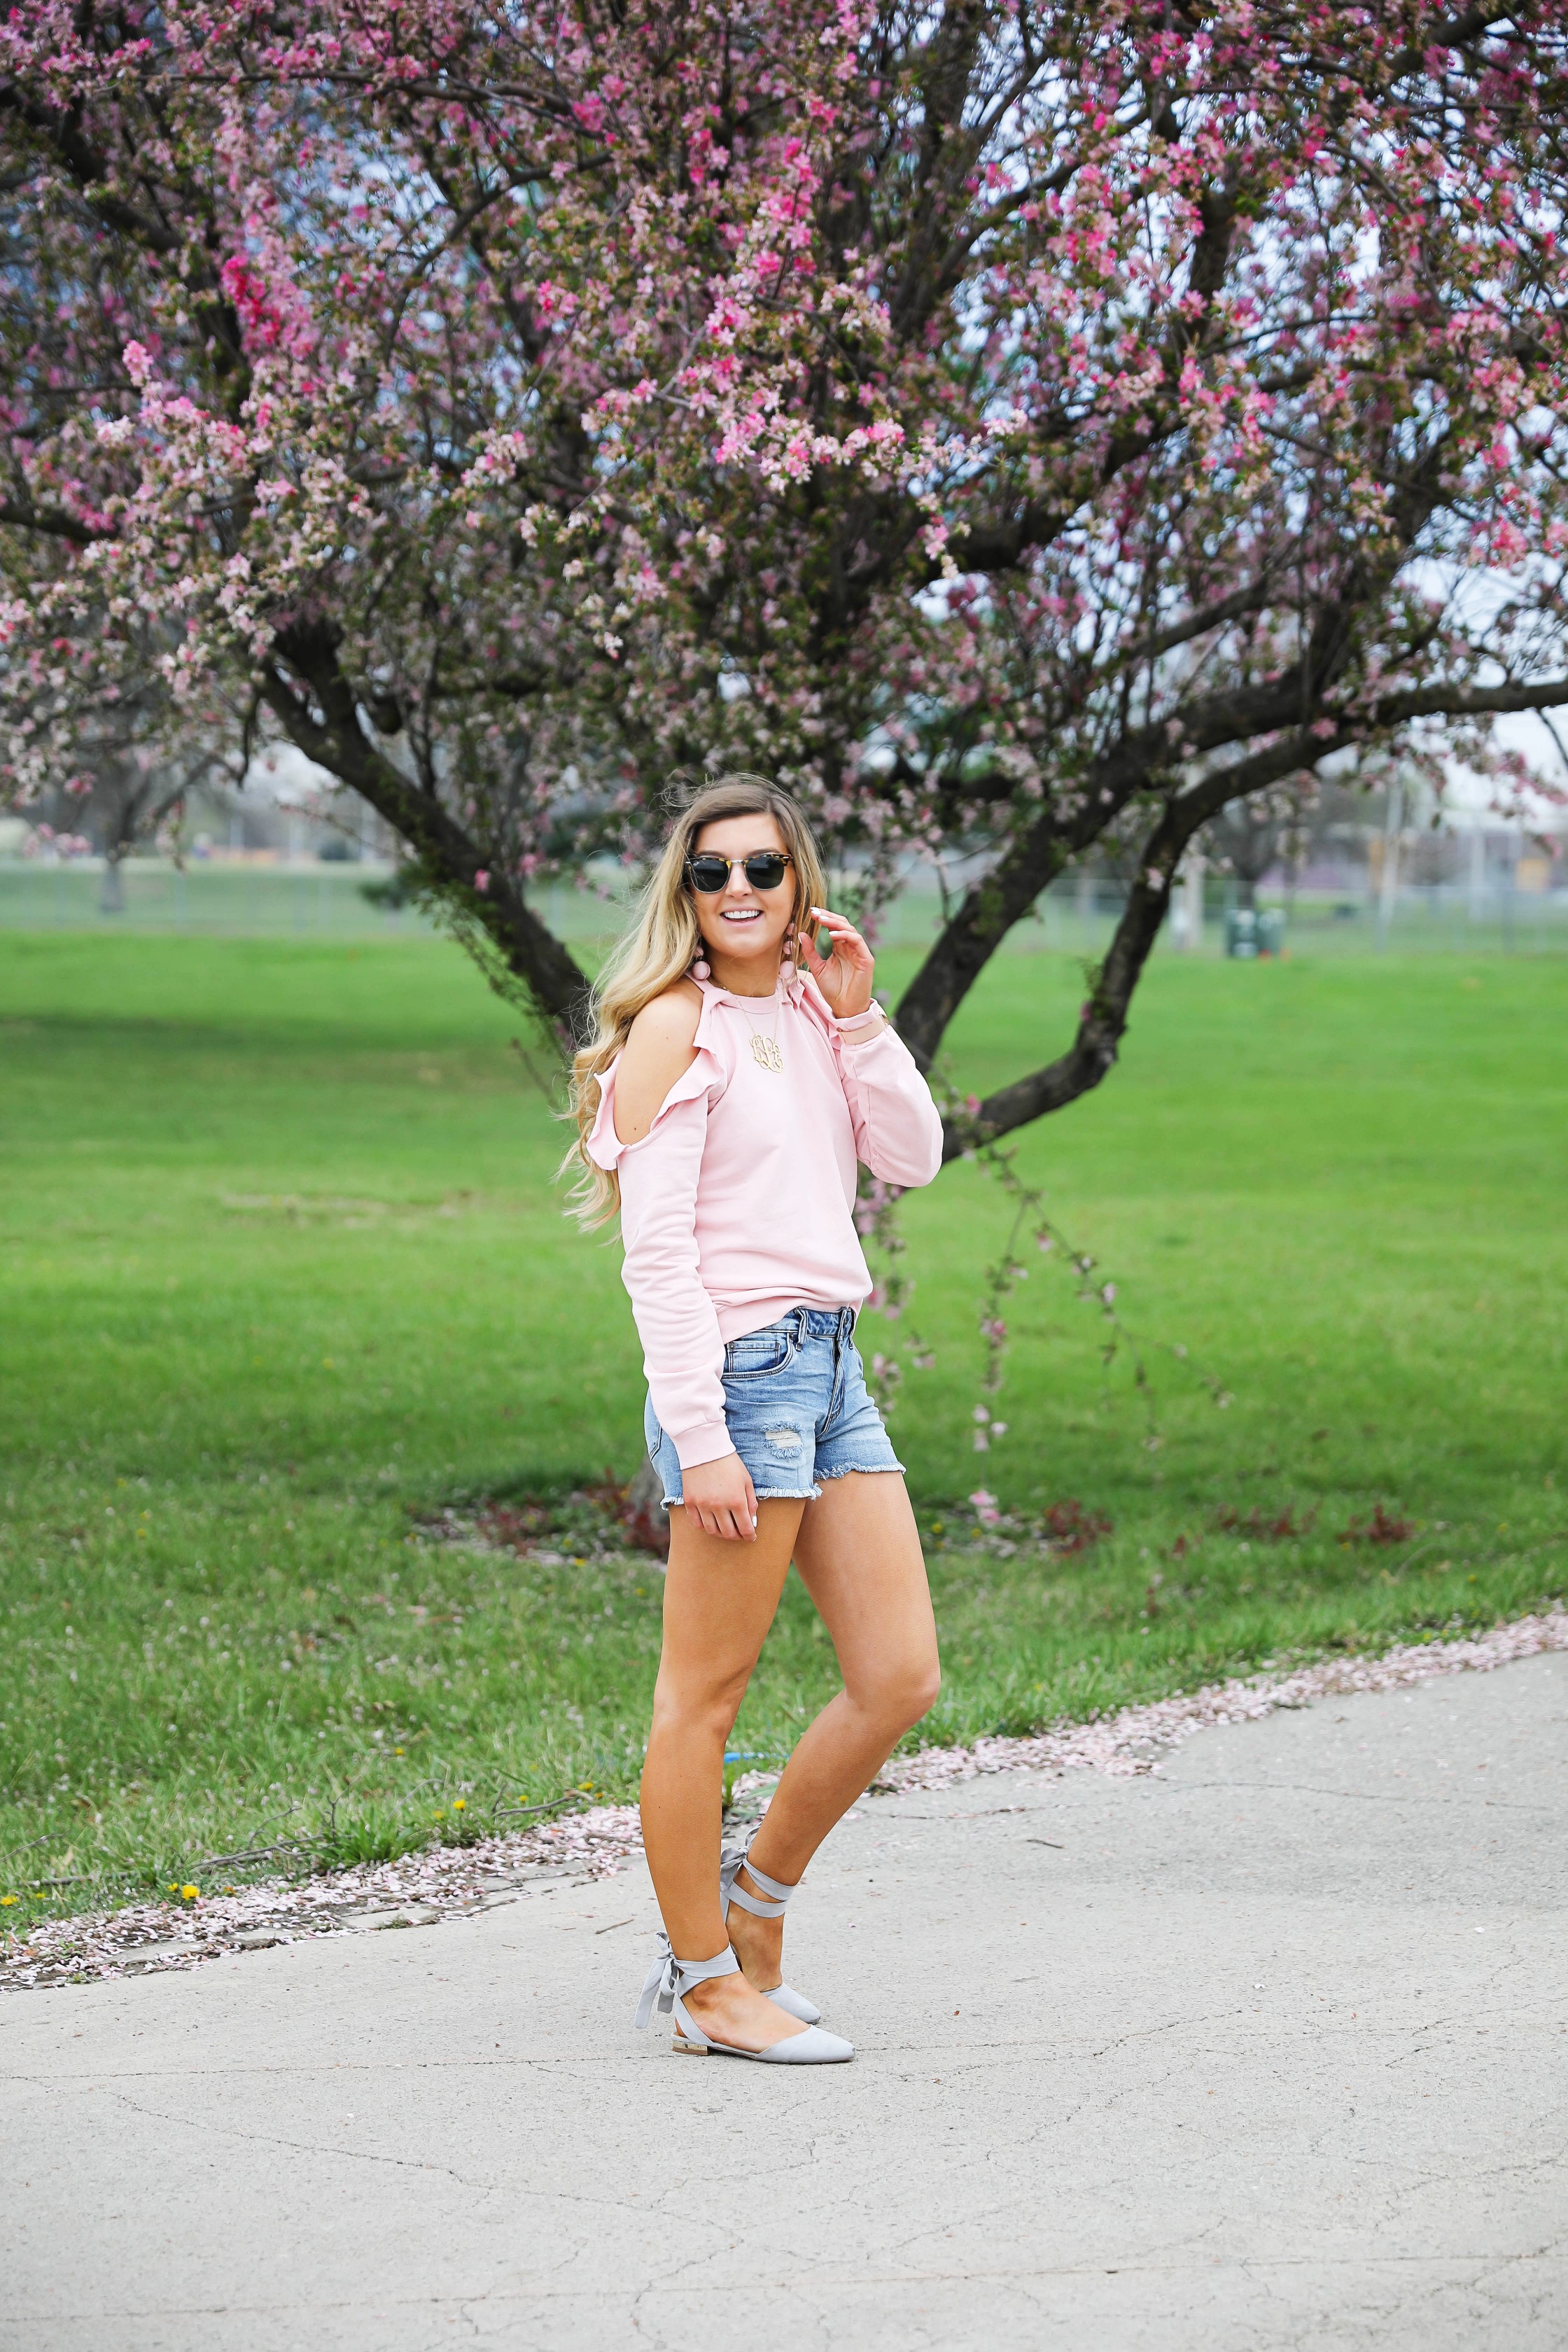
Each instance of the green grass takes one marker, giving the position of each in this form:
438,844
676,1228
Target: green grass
281,1264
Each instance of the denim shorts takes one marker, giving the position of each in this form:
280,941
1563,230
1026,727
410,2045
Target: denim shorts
796,1407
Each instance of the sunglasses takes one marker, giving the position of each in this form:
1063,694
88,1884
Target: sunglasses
764,870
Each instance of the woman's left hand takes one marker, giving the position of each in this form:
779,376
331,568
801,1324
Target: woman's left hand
844,974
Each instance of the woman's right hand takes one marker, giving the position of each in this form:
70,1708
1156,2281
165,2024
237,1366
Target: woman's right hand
722,1498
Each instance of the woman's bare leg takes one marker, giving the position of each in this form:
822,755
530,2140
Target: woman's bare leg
858,1553
720,1598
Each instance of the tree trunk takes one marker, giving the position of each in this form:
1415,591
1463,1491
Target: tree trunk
493,910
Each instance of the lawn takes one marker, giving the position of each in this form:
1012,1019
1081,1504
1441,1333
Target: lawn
283,1274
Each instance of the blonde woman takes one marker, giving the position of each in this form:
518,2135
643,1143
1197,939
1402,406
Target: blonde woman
737,1074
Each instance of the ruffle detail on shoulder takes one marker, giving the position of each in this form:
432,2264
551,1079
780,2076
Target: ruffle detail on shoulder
707,1076
814,1004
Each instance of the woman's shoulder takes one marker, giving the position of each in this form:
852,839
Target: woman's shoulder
667,1020
660,1049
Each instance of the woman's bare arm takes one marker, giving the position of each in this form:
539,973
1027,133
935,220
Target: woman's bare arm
657,1052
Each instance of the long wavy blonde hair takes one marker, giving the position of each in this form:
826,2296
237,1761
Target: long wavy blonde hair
660,949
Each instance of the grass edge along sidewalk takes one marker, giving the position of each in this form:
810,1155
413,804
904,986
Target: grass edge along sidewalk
446,1882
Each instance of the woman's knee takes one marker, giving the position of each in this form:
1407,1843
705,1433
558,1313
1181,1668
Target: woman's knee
923,1690
900,1694
699,1702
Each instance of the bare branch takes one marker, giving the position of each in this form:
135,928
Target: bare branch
336,741
55,522
1103,1021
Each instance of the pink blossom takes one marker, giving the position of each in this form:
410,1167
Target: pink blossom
367,477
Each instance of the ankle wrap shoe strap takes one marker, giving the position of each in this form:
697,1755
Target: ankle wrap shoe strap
669,1978
760,1909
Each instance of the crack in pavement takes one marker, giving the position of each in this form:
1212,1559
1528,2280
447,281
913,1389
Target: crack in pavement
345,2069
1443,1797
477,2187
297,2147
1045,2169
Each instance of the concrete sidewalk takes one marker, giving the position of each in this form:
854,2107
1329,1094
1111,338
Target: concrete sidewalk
1268,2052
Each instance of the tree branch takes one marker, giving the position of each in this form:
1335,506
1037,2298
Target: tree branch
337,741
1450,33
88,168
53,520
988,912
1461,701
1234,607
1103,1021
1002,546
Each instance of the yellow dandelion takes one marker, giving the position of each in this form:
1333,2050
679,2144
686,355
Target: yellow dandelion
459,1804
6,1901
189,1894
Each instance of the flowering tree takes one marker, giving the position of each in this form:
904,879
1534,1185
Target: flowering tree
1019,426
136,759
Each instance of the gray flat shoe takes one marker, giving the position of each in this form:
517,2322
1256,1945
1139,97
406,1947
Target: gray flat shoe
669,1978
776,1894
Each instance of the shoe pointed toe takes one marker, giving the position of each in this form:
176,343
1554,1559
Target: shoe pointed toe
794,2004
814,2047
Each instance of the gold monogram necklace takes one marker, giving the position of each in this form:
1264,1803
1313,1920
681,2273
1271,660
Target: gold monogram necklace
765,1050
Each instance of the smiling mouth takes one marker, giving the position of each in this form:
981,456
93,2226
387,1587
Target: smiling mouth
741,915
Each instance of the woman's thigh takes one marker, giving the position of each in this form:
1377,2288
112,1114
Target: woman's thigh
720,1598
859,1556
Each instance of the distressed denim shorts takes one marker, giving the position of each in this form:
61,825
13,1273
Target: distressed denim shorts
796,1407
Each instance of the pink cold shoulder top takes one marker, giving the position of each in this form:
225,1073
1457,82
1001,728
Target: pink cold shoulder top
738,1203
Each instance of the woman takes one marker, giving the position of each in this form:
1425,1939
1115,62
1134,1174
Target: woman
723,1103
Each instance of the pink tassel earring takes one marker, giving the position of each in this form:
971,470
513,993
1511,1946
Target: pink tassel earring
700,969
786,967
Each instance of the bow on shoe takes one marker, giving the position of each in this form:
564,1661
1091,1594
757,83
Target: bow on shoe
661,1983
